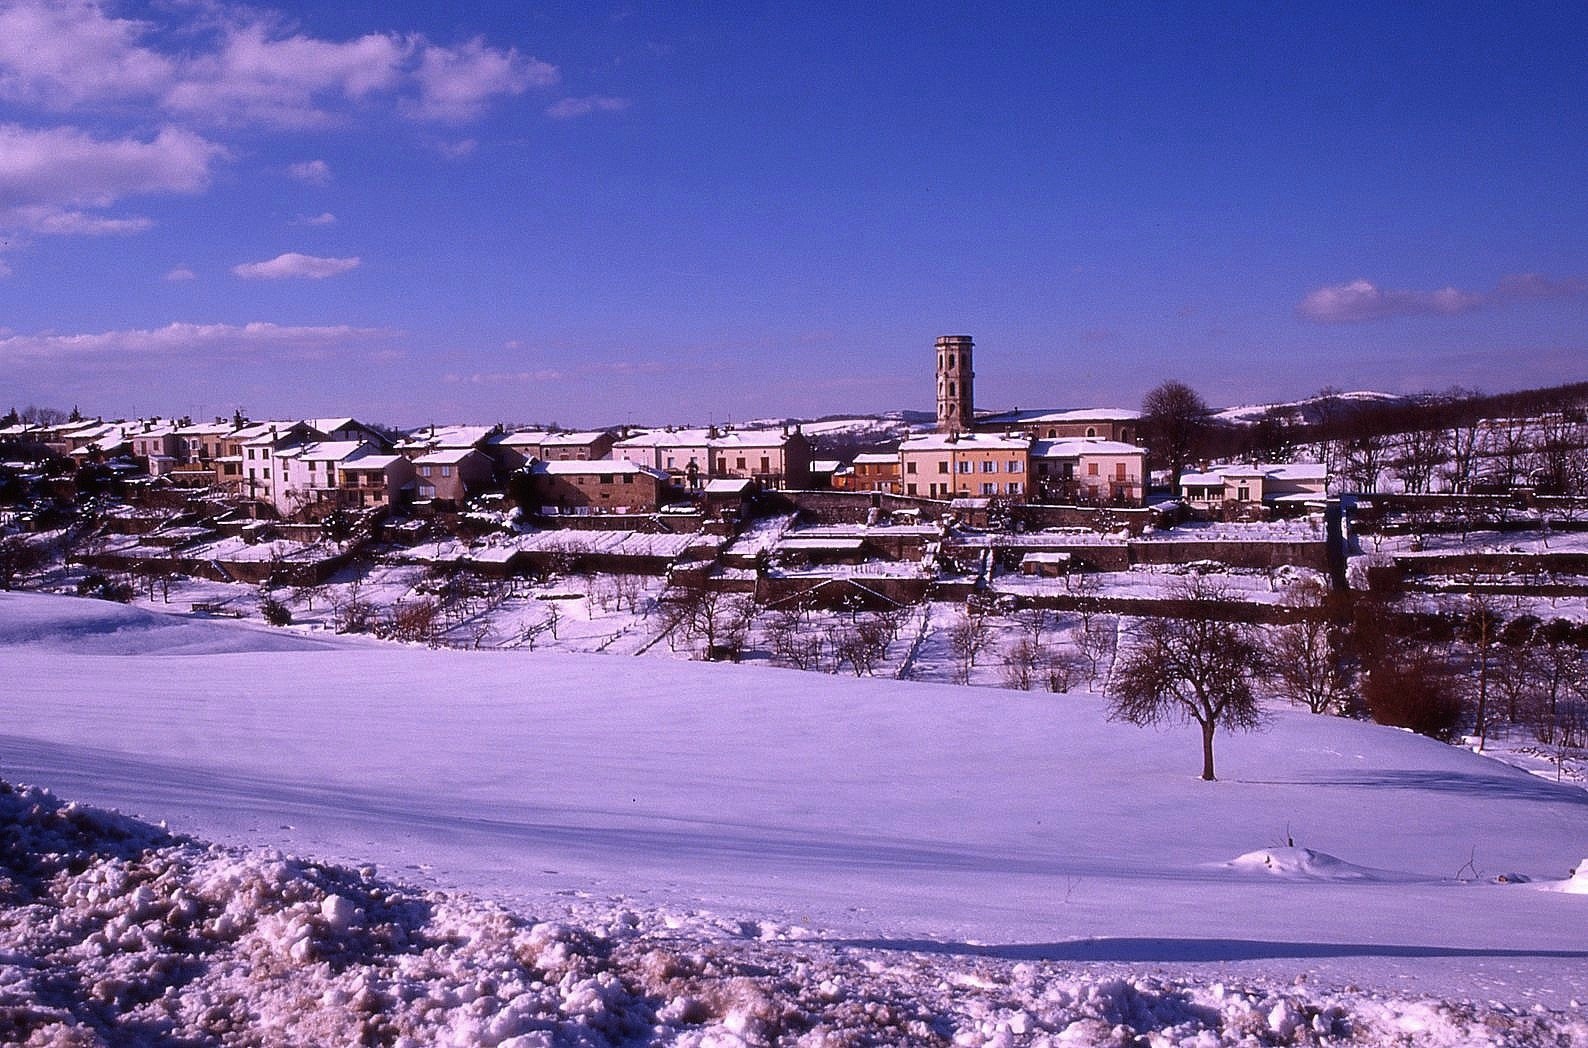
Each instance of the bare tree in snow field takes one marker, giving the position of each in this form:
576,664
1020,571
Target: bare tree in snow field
1196,669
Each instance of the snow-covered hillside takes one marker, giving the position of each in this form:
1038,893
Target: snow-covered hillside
997,860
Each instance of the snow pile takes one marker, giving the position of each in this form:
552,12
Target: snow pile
1576,884
1306,864
115,931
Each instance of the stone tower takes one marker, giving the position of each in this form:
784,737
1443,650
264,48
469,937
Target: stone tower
956,405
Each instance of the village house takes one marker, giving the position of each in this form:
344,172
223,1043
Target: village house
199,446
951,465
514,451
603,486
446,479
1267,483
375,479
156,445
1089,470
288,486
870,471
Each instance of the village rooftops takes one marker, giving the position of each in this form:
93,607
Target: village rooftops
876,458
716,438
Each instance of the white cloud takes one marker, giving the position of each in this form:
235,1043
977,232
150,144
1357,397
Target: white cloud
571,108
260,75
179,338
238,65
293,265
457,150
1362,300
181,273
62,53
455,83
324,218
311,172
48,176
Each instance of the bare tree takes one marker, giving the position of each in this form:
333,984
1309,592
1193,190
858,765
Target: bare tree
967,637
1197,668
1174,419
1307,655
1416,455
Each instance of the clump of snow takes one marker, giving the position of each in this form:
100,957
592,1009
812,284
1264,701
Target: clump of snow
1306,864
1576,884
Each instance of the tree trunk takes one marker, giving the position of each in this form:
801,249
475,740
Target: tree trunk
1207,751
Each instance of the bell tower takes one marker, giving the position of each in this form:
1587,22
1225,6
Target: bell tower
956,404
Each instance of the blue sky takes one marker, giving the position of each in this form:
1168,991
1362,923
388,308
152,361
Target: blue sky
669,212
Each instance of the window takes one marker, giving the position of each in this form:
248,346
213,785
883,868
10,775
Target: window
740,462
264,453
942,466
628,478
312,465
446,471
1091,431
669,462
267,474
909,467
964,465
1014,487
330,474
989,488
766,464
989,466
606,478
250,454
909,489
1119,471
424,471
722,465
1243,494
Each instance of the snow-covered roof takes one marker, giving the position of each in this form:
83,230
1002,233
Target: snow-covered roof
1075,447
766,438
582,467
205,429
555,440
1071,415
521,438
967,442
381,462
446,437
728,486
331,425
445,457
838,544
826,465
325,450
877,458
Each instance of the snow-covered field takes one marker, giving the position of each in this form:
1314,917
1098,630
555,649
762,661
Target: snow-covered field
739,854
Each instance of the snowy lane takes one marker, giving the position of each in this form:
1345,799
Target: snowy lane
875,811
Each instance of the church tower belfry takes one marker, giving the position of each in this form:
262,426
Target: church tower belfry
956,403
